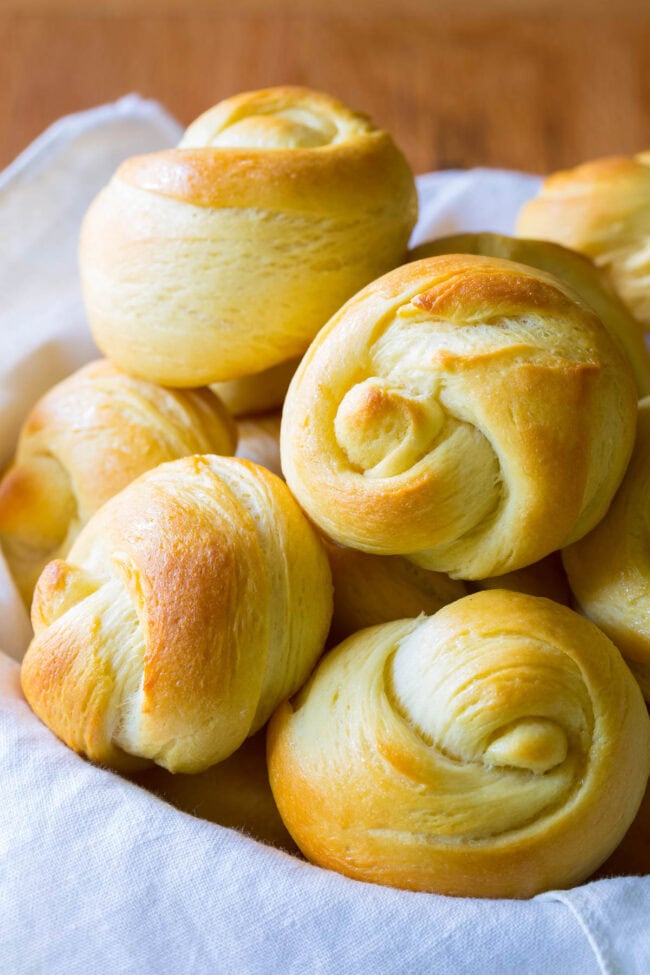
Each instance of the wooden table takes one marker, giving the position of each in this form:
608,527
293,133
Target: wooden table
528,85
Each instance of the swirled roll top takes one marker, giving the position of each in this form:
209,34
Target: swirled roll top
602,209
609,569
470,413
469,753
84,441
570,267
277,118
188,608
223,257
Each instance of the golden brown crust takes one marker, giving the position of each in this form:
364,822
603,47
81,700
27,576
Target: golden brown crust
467,412
602,209
223,257
570,267
469,754
180,619
609,569
84,441
369,167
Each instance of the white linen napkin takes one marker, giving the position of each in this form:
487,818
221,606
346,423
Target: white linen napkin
96,875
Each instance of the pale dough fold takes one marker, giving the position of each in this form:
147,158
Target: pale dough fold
190,605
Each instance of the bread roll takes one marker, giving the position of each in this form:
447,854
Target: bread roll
575,270
372,589
609,569
252,395
469,413
189,606
234,793
224,257
84,441
497,749
259,440
602,209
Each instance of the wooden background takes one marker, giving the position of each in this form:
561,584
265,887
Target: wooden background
529,85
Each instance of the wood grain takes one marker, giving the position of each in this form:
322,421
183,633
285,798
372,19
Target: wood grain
526,92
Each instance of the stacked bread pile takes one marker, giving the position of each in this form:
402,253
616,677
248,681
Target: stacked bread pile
457,418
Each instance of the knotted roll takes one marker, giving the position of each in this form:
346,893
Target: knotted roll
575,270
497,749
609,569
223,257
470,413
188,608
84,441
601,208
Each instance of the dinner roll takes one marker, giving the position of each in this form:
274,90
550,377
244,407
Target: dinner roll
575,270
84,441
601,208
497,749
223,257
470,413
609,569
189,606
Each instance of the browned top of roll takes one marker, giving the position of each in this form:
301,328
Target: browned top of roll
468,412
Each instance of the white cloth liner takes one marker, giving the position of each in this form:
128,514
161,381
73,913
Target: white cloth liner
96,875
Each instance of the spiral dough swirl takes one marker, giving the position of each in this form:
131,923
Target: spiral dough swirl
468,412
468,753
223,257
